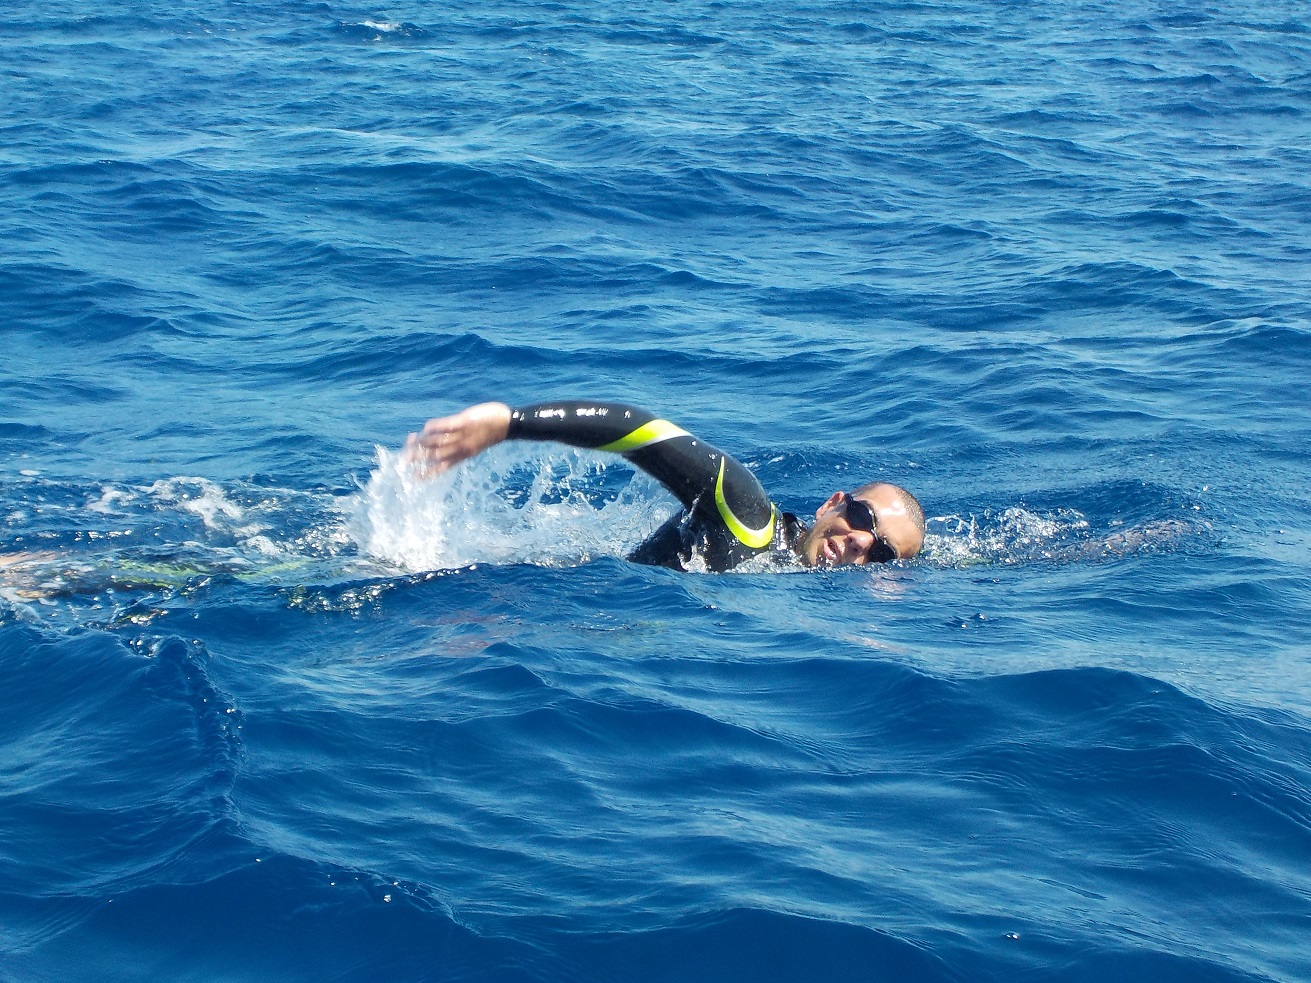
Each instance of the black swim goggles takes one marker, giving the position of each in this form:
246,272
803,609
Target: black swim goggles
861,516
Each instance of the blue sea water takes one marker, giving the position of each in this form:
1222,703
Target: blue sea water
272,708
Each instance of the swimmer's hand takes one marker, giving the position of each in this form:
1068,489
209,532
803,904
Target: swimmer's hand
448,440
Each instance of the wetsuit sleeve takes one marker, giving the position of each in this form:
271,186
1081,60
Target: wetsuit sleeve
700,476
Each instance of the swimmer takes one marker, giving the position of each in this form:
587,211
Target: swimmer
727,517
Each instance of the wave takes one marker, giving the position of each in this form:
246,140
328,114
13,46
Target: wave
456,811
72,705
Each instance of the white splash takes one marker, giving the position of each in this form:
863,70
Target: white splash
112,501
1018,535
1014,535
200,497
262,524
548,508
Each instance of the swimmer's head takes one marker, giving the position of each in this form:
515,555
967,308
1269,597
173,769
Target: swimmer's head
877,523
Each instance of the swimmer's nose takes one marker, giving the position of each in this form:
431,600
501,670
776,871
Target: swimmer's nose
857,544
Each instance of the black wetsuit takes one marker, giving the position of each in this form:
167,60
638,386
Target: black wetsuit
726,516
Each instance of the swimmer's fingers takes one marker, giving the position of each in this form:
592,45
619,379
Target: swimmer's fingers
446,441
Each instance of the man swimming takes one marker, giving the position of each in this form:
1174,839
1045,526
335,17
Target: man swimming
726,519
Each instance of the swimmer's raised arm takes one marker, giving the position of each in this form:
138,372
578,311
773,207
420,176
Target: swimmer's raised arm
446,441
688,467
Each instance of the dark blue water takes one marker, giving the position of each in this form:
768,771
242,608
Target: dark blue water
273,709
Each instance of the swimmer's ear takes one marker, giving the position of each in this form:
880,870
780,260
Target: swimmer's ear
833,502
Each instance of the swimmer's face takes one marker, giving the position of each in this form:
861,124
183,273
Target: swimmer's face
871,528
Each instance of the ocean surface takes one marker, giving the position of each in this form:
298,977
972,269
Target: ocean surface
274,708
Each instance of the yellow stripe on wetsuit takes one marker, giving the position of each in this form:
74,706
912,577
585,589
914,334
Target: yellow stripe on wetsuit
644,436
755,538
659,430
